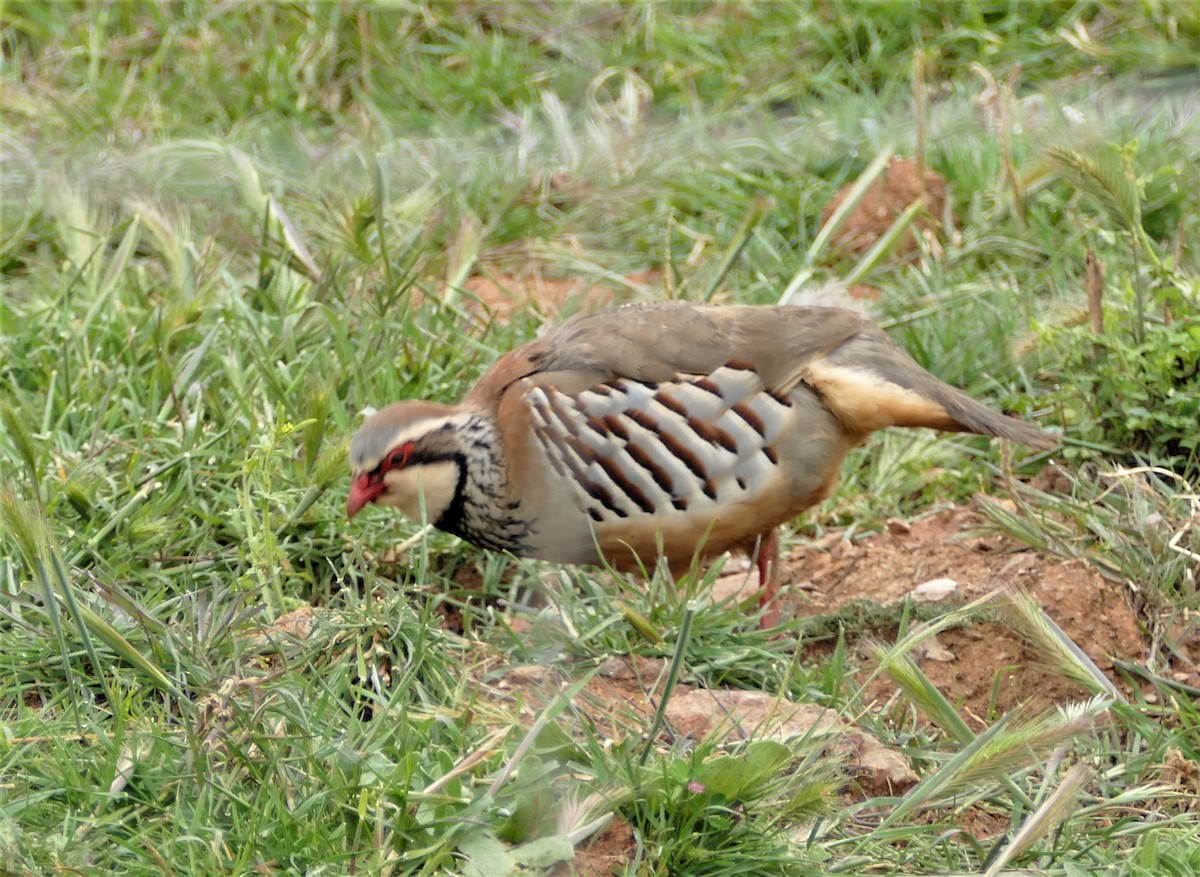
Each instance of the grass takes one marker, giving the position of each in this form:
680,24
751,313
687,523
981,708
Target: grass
229,229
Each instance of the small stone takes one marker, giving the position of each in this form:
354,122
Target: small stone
617,667
622,668
519,625
933,650
934,590
528,674
736,586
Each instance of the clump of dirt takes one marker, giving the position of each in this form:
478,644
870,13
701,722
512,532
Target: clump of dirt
1183,774
953,556
624,695
503,295
603,855
985,668
891,194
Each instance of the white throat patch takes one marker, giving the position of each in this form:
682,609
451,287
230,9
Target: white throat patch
432,483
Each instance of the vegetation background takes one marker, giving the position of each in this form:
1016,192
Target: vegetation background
228,228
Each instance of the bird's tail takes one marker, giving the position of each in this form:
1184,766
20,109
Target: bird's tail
869,383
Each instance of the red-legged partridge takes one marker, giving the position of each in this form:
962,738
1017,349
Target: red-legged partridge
685,430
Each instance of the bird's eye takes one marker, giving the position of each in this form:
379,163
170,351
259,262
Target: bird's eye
401,455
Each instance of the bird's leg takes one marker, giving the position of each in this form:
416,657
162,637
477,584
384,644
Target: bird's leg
767,560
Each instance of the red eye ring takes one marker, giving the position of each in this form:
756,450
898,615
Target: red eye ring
401,456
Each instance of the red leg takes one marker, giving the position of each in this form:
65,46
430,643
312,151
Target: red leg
767,560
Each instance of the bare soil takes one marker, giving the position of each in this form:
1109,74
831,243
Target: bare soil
985,669
899,186
503,295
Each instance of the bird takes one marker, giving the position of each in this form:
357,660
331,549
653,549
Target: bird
670,431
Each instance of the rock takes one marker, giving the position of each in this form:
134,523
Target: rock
754,714
933,650
934,590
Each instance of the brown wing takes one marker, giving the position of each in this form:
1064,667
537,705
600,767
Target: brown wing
657,342
652,343
858,373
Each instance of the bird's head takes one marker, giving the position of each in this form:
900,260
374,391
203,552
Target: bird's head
403,456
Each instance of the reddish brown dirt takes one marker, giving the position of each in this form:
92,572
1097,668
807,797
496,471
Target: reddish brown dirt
985,668
889,196
603,855
623,696
503,295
